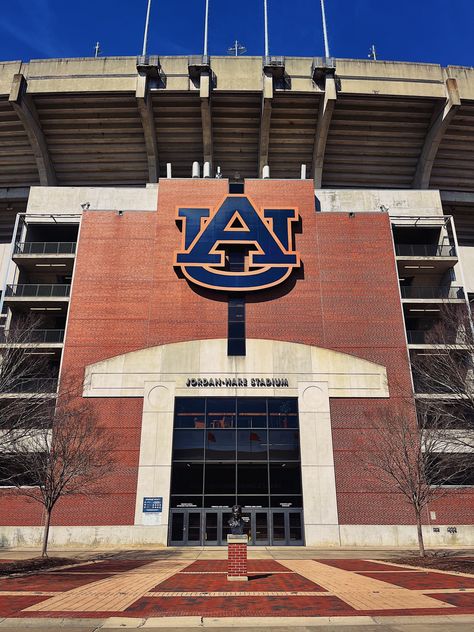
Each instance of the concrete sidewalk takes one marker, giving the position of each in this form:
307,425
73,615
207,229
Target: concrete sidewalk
459,623
220,553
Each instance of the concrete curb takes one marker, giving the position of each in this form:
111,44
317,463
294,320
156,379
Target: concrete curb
158,623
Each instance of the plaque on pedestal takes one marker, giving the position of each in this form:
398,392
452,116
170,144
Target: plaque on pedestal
241,538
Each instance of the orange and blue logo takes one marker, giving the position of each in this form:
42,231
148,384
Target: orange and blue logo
264,235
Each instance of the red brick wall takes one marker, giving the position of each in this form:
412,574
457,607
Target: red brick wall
127,296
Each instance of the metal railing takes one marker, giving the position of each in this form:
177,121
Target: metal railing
446,292
274,60
424,250
35,336
420,337
38,290
416,337
45,247
34,385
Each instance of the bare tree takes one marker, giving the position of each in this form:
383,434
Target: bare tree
444,374
415,456
68,454
24,372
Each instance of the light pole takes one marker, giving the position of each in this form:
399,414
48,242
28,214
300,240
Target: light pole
325,31
265,18
206,27
147,24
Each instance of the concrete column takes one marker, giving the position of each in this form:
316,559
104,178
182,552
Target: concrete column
317,465
206,116
154,469
265,121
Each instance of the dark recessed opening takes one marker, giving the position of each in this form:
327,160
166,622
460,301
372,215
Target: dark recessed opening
236,187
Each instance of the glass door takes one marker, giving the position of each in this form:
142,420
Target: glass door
260,530
212,531
287,527
193,528
295,528
278,534
185,527
177,528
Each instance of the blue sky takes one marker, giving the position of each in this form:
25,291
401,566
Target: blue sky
438,31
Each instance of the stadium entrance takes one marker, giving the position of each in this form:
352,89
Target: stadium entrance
208,527
238,450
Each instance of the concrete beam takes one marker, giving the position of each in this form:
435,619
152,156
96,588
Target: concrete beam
457,197
265,121
14,193
322,130
435,135
206,117
145,109
25,109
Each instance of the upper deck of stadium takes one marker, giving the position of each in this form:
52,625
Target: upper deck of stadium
109,121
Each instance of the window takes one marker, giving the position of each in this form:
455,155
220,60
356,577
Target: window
283,413
236,319
220,445
451,469
285,478
189,413
236,449
220,479
252,445
188,478
18,471
188,445
220,412
252,412
284,445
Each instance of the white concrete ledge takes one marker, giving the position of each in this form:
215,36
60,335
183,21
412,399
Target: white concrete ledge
351,536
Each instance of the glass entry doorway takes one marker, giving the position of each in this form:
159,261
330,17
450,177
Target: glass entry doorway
236,451
208,527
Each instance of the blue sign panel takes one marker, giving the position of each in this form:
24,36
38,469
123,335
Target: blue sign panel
153,504
266,233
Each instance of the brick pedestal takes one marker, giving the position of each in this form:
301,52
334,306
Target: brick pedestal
237,558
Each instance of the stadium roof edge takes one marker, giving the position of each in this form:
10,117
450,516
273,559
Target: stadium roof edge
379,62
105,122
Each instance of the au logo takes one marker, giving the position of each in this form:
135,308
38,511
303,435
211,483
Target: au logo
265,235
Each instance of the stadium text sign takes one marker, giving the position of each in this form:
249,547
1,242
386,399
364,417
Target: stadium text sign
237,382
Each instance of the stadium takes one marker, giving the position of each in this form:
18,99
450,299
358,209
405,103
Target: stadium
239,257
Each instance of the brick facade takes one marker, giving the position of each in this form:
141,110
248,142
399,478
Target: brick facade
127,296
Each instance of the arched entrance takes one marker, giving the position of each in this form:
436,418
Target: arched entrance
200,372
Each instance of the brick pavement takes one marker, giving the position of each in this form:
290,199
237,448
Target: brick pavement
276,588
362,592
114,594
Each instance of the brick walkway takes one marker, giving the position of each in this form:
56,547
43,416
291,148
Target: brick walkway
296,588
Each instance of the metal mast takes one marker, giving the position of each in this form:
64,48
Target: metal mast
265,16
147,24
325,30
206,27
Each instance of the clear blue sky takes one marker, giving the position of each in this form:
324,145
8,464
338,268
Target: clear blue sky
438,31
